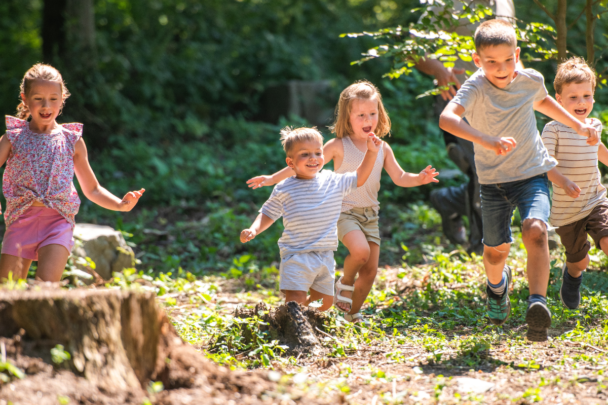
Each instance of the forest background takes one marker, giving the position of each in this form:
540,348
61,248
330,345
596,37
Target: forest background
171,94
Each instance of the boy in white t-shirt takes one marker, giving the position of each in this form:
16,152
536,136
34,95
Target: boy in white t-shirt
310,204
579,203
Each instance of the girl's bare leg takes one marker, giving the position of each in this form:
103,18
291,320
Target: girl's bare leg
359,253
365,281
51,262
18,266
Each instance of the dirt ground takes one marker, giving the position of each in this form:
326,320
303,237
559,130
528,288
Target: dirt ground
380,369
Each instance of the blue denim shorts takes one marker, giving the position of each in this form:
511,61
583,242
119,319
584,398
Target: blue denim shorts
498,202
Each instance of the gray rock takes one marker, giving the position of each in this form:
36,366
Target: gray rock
466,384
311,100
105,246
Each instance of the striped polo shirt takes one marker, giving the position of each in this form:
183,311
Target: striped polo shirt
310,209
578,162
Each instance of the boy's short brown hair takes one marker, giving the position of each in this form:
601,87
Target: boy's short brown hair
574,70
493,33
290,136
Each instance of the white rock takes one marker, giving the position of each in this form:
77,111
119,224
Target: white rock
466,384
105,246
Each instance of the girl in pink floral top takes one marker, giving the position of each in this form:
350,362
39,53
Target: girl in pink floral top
41,159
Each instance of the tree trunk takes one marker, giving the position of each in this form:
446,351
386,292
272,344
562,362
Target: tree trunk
589,32
81,25
68,30
562,30
53,30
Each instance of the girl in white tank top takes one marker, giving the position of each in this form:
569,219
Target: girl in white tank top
359,112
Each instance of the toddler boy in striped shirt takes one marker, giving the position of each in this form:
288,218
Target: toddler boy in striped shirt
310,204
579,204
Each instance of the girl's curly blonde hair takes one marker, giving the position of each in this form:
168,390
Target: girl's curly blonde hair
361,90
43,72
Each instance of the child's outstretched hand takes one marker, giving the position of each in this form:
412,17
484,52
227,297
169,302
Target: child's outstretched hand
373,142
259,181
247,235
129,201
590,133
572,189
428,175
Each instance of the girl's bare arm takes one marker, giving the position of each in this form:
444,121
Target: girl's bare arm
91,187
402,178
5,149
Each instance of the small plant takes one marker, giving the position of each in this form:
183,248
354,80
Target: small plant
59,355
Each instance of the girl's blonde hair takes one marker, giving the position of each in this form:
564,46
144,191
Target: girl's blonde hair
43,72
361,90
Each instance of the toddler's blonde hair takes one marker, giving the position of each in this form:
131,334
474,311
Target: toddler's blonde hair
574,70
361,90
44,72
290,136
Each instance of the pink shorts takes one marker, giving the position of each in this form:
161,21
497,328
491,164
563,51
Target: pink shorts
36,228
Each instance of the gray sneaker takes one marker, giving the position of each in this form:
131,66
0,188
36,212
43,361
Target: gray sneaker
538,318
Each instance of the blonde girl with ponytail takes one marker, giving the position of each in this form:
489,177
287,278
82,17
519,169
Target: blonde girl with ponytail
41,159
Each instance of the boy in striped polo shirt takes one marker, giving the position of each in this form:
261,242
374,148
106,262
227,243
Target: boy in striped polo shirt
310,204
580,207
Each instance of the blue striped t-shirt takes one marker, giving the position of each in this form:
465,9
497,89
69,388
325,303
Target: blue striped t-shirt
310,210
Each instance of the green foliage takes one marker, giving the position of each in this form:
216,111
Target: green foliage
9,371
59,355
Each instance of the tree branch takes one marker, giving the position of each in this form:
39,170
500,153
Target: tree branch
583,12
539,4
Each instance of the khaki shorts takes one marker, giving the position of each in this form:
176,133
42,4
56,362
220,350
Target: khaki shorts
360,219
574,235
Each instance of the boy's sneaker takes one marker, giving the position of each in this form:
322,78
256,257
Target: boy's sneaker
538,318
499,307
570,291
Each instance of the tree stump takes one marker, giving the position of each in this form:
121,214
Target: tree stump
118,340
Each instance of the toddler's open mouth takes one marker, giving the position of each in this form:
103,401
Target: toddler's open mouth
367,130
580,111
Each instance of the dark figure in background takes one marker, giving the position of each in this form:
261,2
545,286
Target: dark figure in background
454,203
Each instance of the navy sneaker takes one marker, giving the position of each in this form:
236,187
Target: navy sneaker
538,318
499,307
570,291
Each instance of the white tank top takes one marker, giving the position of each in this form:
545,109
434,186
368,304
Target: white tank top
367,194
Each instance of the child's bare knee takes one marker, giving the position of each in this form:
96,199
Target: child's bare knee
534,231
360,256
495,255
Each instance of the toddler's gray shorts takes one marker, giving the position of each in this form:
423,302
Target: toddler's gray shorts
303,271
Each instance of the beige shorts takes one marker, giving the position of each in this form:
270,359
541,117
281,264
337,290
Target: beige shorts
360,219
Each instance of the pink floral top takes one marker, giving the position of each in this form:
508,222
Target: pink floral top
40,167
